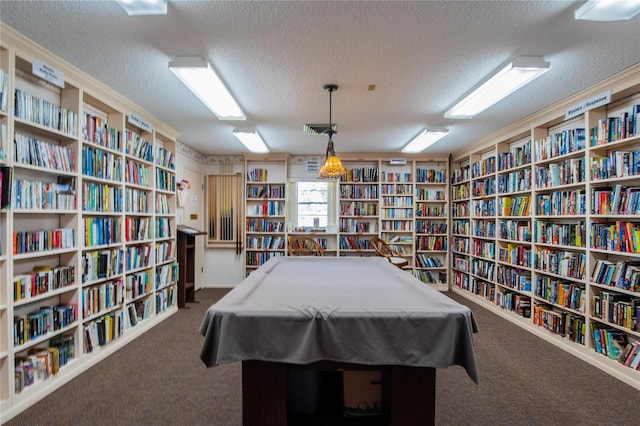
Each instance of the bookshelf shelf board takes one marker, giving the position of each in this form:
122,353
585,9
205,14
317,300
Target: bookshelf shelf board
33,342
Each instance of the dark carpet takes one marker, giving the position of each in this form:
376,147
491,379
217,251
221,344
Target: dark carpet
158,379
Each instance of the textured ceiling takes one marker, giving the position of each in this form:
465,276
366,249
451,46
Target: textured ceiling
276,57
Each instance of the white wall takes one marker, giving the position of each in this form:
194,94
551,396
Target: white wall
222,267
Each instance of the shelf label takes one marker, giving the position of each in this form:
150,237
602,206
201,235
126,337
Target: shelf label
47,72
591,103
140,122
312,166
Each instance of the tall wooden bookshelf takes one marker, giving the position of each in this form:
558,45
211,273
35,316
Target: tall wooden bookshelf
554,246
87,235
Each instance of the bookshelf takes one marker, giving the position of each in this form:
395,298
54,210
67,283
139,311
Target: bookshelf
565,245
359,199
397,210
83,269
265,210
431,223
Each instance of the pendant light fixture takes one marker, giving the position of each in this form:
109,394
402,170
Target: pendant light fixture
333,167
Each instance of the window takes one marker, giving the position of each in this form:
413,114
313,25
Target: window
312,205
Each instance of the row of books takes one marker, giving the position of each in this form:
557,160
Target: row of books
165,181
97,130
137,256
269,208
348,242
4,90
516,255
138,311
265,191
354,225
136,200
138,284
611,129
257,175
621,274
362,174
513,278
482,248
460,245
36,152
484,228
44,113
566,324
483,167
483,188
431,175
4,138
424,261
46,320
167,274
514,206
100,231
483,269
257,258
165,158
101,198
103,330
137,146
431,277
165,299
485,207
424,194
38,364
515,181
565,234
630,356
96,299
163,227
460,227
617,164
101,164
426,226
396,177
426,210
397,189
401,223
348,191
39,241
514,302
137,228
136,173
515,230
566,294
165,251
102,264
162,204
460,175
518,155
42,280
561,203
483,289
438,243
264,225
619,200
399,213
617,308
619,236
358,208
565,263
558,144
565,173
39,195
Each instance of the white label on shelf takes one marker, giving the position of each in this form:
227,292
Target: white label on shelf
47,72
591,103
312,165
140,122
398,161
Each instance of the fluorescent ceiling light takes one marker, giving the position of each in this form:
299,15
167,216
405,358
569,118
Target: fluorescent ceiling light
425,139
513,76
608,10
252,140
144,7
201,79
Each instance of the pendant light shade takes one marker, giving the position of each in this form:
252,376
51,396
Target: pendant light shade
332,167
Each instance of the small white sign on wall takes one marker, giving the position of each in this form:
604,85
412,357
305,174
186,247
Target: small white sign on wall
312,166
47,72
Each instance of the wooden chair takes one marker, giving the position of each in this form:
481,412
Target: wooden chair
301,245
383,249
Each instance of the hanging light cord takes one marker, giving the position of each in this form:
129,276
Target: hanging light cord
330,132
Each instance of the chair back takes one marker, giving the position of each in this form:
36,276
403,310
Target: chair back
301,245
382,248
